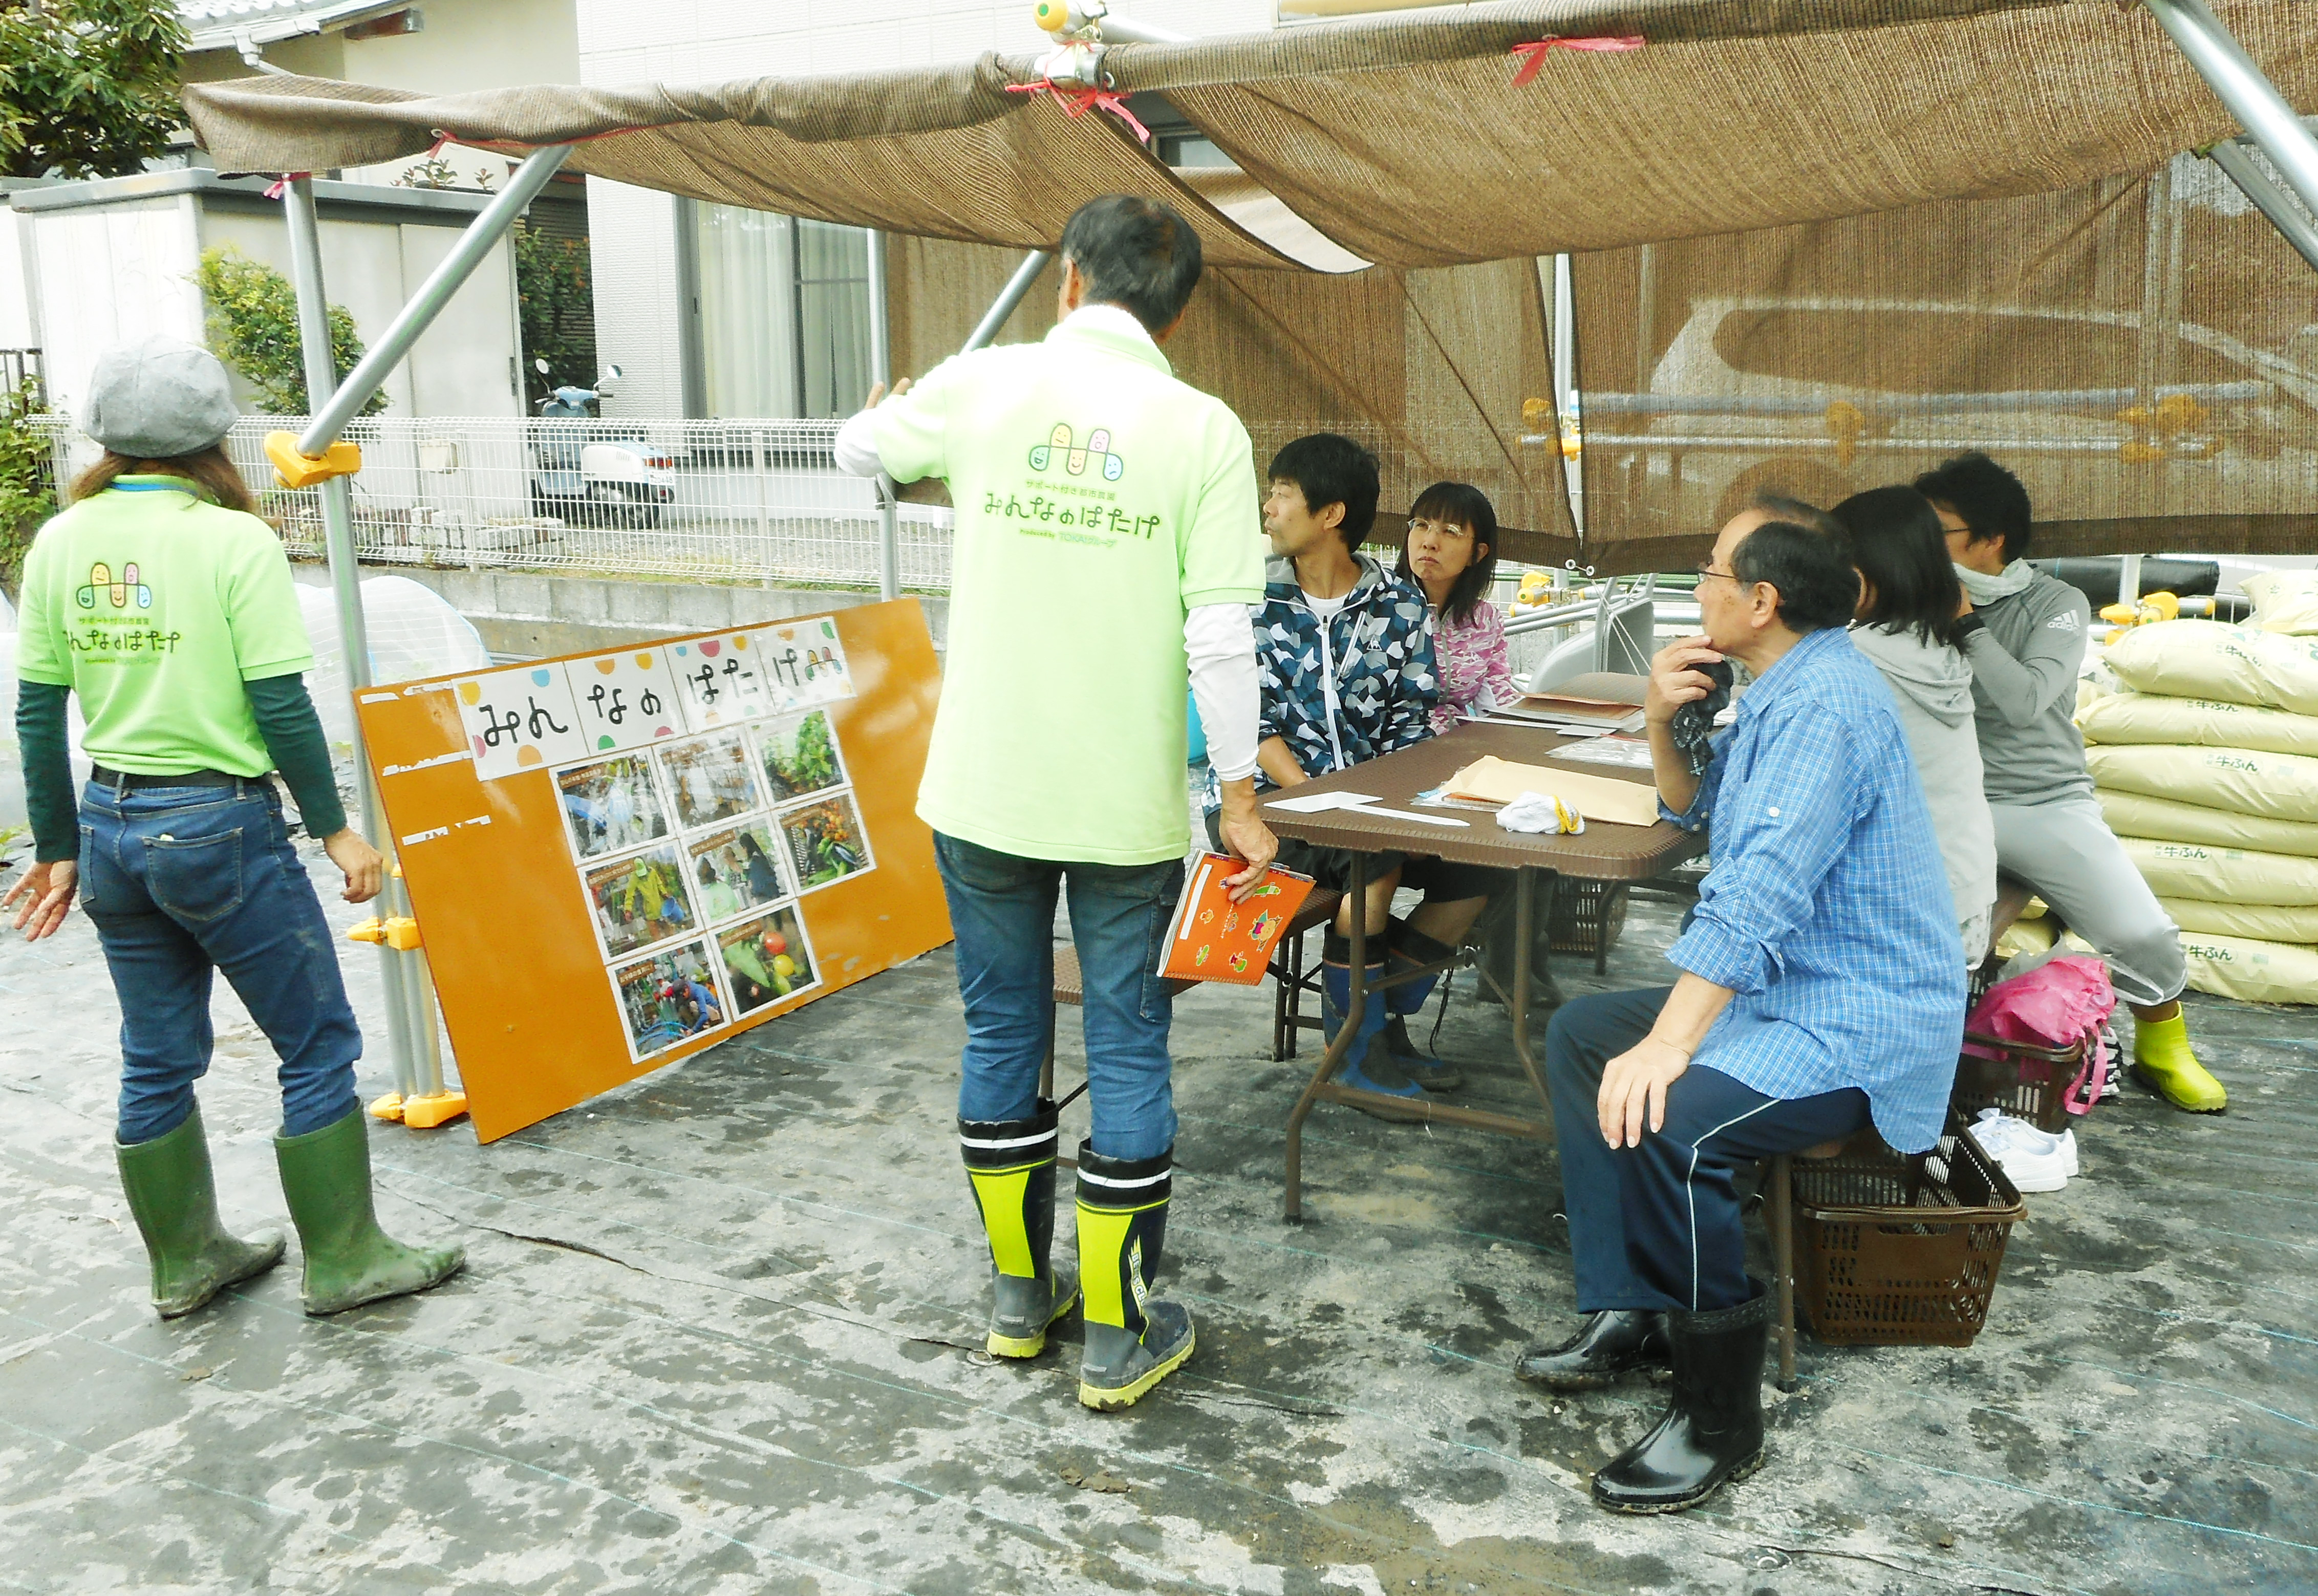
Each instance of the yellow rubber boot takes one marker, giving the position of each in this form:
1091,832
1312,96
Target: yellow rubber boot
2162,1060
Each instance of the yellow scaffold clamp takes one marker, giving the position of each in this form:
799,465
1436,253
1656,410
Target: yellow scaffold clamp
341,458
398,932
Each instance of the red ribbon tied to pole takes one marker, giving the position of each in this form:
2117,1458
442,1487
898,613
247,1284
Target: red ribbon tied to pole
1079,101
1532,55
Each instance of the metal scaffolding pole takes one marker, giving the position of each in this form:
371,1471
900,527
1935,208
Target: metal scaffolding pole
881,372
346,583
2237,162
1016,287
2269,121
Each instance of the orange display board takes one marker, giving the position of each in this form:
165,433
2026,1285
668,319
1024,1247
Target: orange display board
617,859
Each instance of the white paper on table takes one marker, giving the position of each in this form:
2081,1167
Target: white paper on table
626,700
1316,802
805,664
520,719
1403,814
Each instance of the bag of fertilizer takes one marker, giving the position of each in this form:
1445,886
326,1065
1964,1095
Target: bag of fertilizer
2197,723
2264,922
2244,781
2284,601
2207,659
2130,814
2222,874
2252,972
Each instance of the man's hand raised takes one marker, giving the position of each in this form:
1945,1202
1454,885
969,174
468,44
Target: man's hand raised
1676,680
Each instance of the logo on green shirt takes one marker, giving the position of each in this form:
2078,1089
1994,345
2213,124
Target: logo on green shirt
1058,449
101,580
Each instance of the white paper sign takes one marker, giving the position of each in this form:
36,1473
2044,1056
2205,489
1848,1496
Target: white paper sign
720,680
805,664
519,720
626,700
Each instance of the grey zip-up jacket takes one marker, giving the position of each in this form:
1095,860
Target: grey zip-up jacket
2024,660
1932,686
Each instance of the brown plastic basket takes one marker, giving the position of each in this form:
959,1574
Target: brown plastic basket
2029,1083
1586,917
1895,1251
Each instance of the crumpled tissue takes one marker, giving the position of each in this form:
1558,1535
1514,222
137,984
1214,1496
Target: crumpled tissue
1540,812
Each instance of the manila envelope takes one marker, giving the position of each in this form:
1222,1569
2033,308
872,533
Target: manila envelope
1596,797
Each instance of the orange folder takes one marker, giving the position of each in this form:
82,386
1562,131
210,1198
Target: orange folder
1213,938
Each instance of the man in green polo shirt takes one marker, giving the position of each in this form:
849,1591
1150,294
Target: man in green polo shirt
1107,546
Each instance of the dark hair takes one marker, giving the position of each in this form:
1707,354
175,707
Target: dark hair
1989,498
1902,556
1330,469
210,470
1810,570
1778,507
1136,252
1460,504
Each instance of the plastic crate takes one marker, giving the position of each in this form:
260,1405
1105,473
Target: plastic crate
1588,917
1894,1251
2029,1083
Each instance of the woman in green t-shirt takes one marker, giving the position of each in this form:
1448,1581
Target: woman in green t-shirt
163,601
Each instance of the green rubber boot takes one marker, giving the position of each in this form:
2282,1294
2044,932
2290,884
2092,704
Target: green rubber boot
349,1260
170,1192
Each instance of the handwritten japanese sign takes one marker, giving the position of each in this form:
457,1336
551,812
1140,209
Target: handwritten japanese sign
627,699
521,719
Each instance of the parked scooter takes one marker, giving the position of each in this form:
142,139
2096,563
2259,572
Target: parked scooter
595,476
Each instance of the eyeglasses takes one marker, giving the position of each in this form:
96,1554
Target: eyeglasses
1706,568
1438,528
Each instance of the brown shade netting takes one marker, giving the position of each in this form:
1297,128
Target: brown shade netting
1429,369
2143,354
1877,230
1404,140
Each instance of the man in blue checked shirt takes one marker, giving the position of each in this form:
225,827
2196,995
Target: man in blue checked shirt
1822,989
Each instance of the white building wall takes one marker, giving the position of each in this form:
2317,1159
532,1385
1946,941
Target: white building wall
639,310
109,276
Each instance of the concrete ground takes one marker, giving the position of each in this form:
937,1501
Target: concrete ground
719,1333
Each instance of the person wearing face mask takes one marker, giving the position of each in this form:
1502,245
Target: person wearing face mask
2024,635
1906,623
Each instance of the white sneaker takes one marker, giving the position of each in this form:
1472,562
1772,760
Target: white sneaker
2033,1159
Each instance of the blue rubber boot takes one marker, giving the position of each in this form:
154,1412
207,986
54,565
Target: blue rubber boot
1366,1067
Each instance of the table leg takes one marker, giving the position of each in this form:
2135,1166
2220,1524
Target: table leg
1345,1031
1525,928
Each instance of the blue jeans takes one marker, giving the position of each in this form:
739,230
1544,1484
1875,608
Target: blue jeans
1658,1225
1002,909
181,881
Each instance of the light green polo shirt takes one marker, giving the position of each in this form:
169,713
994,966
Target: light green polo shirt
155,605
1098,501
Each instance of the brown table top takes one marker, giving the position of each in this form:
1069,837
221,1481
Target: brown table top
1603,852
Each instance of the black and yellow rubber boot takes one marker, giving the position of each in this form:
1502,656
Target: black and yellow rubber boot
1010,1165
1134,1340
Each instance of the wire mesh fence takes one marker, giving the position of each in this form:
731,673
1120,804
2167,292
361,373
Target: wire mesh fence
719,501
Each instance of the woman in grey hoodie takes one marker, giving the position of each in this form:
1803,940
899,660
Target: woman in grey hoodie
1906,624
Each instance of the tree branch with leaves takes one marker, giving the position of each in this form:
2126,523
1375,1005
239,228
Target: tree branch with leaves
88,88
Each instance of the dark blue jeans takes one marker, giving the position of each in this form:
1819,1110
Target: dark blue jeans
1002,909
181,881
1658,1225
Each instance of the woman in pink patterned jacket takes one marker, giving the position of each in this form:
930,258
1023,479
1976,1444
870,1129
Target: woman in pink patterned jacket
1450,552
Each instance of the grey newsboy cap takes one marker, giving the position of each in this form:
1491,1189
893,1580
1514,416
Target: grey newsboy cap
157,398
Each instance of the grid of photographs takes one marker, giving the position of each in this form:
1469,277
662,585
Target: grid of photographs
696,855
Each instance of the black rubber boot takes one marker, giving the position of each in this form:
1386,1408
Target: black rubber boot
1010,1165
1410,948
1712,1431
1611,1344
1134,1340
173,1200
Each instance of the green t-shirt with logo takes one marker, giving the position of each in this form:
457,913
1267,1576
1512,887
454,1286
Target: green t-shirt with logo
1098,501
155,605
